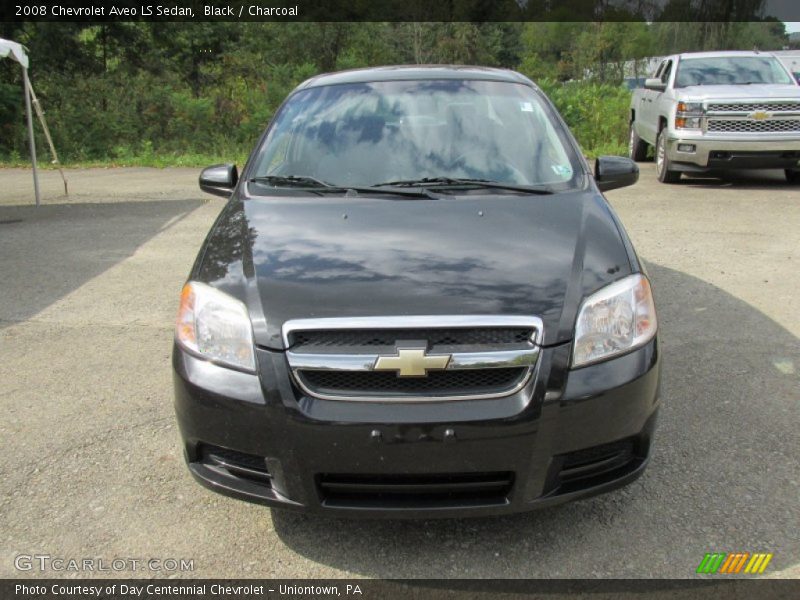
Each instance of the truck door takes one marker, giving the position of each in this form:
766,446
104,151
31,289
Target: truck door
661,100
645,113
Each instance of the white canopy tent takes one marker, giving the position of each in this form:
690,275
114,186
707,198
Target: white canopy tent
9,49
15,51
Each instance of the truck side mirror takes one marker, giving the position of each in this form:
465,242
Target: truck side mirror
655,84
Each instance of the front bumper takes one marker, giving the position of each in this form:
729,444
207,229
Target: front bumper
726,152
566,435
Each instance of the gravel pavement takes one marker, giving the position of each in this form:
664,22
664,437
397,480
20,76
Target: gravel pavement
90,462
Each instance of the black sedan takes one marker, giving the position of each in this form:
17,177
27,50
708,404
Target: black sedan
417,302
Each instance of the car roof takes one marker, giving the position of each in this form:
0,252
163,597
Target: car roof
415,72
725,54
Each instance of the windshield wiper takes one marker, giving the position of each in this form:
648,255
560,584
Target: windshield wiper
312,184
293,180
442,182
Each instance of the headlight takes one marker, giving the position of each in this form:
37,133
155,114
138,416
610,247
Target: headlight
215,326
614,320
690,108
688,123
688,115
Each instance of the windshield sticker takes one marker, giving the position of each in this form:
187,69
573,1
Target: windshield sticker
563,171
526,107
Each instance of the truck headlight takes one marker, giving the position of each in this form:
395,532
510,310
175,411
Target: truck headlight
690,108
215,326
688,123
688,115
614,320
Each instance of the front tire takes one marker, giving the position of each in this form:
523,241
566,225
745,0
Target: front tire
637,147
663,164
793,175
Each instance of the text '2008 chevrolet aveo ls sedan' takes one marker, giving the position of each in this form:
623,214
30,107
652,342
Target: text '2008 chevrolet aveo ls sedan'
417,302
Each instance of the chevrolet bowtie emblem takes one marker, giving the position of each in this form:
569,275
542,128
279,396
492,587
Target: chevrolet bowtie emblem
759,115
412,362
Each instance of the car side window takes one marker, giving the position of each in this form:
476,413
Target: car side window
666,71
657,74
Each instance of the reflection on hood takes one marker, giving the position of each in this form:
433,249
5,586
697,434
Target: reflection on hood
523,256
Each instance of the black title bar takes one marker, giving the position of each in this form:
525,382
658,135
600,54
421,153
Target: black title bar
371,589
401,10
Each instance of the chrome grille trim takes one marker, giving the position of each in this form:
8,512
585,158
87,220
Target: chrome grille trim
501,359
778,106
523,358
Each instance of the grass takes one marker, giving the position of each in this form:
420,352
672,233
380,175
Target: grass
158,161
611,148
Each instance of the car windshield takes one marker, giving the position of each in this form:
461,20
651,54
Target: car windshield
730,71
367,134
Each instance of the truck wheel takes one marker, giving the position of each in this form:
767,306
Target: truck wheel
793,175
665,174
637,147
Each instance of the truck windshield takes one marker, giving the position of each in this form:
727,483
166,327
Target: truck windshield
367,134
734,70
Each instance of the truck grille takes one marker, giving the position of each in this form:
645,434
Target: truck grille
778,106
412,358
752,126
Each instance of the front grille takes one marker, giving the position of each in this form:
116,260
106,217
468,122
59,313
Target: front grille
485,357
473,382
378,339
751,126
785,106
415,491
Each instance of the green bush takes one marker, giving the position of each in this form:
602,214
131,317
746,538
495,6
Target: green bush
596,113
148,119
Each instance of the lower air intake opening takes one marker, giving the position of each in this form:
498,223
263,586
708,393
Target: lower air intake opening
415,491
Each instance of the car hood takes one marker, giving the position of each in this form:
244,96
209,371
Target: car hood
291,258
738,92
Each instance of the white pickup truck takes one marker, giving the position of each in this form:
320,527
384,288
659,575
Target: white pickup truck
710,112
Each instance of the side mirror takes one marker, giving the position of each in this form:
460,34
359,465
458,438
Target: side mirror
219,179
655,84
612,172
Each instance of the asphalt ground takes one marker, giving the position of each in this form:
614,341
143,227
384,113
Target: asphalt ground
90,459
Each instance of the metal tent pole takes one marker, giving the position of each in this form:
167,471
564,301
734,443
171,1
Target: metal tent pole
26,85
40,113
